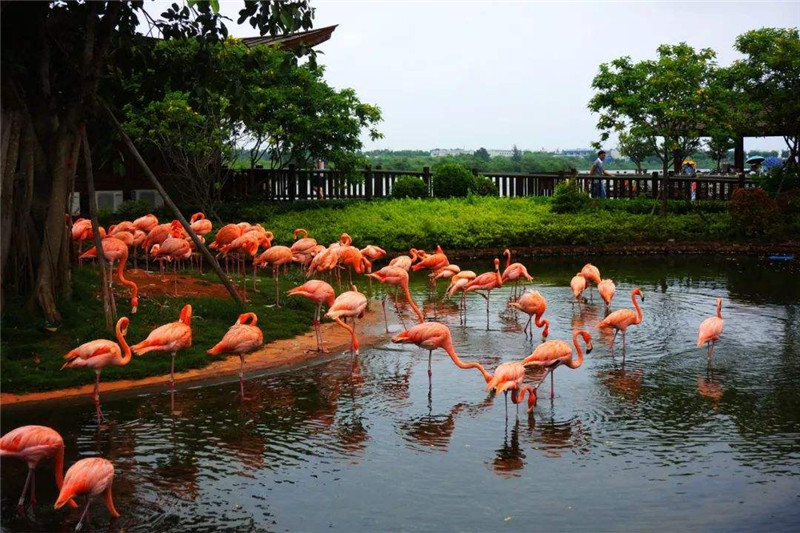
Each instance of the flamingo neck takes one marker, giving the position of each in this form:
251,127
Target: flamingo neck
129,283
507,253
639,315
719,309
448,347
410,301
126,350
518,396
353,338
539,323
572,363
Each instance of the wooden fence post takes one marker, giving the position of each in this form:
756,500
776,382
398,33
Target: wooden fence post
292,182
368,182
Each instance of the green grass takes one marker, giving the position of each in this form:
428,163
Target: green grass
481,222
24,336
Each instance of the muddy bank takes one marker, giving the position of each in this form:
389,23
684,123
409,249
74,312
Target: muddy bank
284,353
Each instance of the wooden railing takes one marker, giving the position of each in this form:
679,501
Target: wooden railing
295,184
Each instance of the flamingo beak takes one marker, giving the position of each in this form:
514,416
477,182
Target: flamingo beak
589,348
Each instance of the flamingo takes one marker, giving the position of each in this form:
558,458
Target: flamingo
247,244
82,232
98,354
373,253
277,255
457,284
591,274
304,245
514,272
351,257
200,224
240,339
125,225
324,261
349,304
433,335
509,377
620,320
226,235
552,354
607,289
533,304
320,293
32,444
403,261
434,261
175,248
710,330
116,250
146,223
398,277
159,234
92,477
488,281
169,338
578,285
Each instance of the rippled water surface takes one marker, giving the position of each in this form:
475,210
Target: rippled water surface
369,444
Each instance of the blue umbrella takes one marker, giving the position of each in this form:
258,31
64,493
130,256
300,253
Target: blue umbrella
755,159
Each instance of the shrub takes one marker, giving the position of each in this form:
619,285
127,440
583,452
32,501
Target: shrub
569,198
789,202
133,209
753,212
483,186
452,180
409,187
785,178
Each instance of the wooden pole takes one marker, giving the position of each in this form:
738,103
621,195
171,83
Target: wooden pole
108,310
167,200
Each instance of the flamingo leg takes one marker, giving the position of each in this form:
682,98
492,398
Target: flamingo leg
525,329
711,349
488,293
277,287
241,375
96,398
552,386
83,514
505,394
399,314
254,277
383,305
32,501
613,339
21,502
172,372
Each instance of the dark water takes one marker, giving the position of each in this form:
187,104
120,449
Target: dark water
363,444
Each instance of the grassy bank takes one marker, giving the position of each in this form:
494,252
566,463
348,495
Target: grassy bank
482,222
31,357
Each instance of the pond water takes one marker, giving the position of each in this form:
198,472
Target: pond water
369,444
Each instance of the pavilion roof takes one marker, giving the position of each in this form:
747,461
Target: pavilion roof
290,40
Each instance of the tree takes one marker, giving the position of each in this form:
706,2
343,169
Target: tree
769,79
482,154
635,147
516,154
54,62
666,101
718,146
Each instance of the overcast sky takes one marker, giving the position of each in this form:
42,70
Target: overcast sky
462,74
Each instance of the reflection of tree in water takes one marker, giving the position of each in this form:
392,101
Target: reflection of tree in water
433,432
509,459
554,438
396,382
758,282
623,383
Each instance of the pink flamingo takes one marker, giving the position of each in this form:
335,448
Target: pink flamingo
200,224
146,223
320,293
533,304
98,354
349,304
399,278
404,261
607,289
552,354
433,261
116,250
433,335
488,281
90,477
578,285
514,272
175,248
240,339
245,245
32,444
620,320
710,330
304,245
457,284
509,377
373,253
169,338
226,235
324,261
277,256
591,274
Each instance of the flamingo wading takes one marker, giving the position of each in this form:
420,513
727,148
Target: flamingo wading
552,354
710,330
90,477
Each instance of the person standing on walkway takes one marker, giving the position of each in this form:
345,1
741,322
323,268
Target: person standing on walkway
597,172
317,179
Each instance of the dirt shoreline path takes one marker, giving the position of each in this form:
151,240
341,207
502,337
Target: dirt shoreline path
281,354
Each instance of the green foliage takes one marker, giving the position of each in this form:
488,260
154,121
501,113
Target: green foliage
409,187
451,180
753,212
569,198
782,178
483,186
635,147
482,154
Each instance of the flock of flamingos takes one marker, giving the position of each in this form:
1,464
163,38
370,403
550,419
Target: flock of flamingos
236,242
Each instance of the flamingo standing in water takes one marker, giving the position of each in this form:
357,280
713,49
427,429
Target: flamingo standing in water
509,377
373,253
320,293
533,304
578,285
169,338
99,354
116,250
349,304
620,320
200,224
514,272
403,261
277,256
488,281
433,335
32,444
710,330
592,275
240,339
399,278
90,477
552,354
457,284
607,289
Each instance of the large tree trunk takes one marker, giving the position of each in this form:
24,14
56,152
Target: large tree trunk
12,127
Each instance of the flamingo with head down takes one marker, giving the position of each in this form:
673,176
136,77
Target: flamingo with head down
200,224
533,304
578,285
509,377
320,293
607,289
592,275
90,477
348,304
399,278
